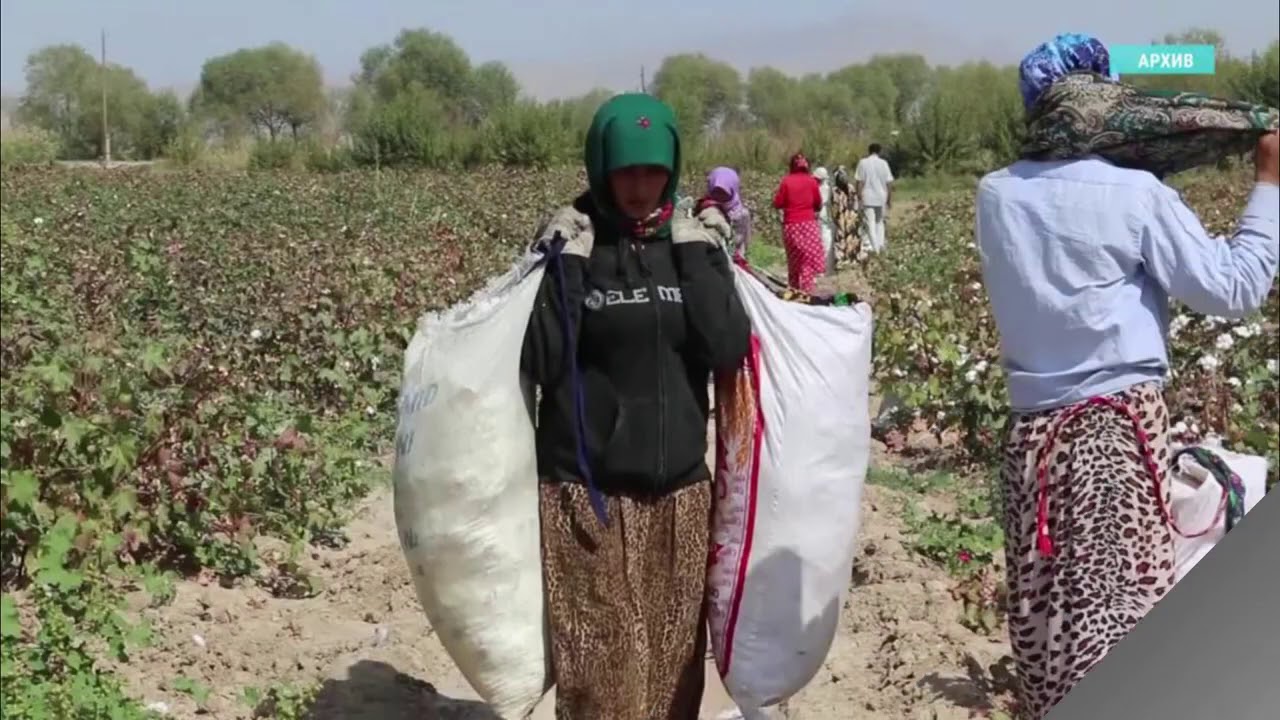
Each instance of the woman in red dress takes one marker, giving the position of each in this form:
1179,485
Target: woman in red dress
800,198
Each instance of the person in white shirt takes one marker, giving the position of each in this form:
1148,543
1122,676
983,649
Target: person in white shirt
875,191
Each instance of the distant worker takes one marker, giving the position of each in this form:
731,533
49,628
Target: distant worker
844,217
824,220
875,191
723,193
800,199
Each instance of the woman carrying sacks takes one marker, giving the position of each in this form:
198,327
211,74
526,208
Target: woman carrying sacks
637,309
1082,246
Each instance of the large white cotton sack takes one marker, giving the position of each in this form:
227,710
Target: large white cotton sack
465,480
1196,502
793,437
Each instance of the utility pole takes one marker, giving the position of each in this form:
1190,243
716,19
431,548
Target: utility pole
106,129
644,87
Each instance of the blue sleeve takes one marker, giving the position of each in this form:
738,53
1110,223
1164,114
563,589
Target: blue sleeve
1212,275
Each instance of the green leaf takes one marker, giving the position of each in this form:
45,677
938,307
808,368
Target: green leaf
124,502
251,697
23,487
55,377
52,556
110,543
152,357
263,461
192,688
50,417
138,634
50,573
1260,439
122,455
75,429
10,624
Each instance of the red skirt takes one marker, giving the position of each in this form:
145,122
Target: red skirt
806,259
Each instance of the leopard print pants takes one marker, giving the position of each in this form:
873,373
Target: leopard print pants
625,603
1113,552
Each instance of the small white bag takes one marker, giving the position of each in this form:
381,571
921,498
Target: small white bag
1198,501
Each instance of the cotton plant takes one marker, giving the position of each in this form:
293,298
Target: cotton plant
937,349
1225,375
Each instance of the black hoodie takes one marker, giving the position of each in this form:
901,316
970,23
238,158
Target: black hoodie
654,319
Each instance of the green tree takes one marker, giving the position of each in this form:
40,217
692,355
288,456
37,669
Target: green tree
875,97
163,120
58,78
493,89
411,128
1196,36
774,99
941,137
821,101
1259,80
270,89
64,96
527,134
418,58
704,93
910,75
993,112
576,113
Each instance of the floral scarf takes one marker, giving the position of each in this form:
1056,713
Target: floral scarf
1085,113
652,225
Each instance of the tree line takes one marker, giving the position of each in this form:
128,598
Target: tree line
419,100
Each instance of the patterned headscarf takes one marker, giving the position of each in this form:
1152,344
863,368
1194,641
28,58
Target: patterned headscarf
799,163
1064,54
1086,114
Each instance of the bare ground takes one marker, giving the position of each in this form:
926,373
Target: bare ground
901,651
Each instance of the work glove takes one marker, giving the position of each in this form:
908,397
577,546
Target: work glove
710,226
572,227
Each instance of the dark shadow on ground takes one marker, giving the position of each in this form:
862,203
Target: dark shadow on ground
980,688
377,691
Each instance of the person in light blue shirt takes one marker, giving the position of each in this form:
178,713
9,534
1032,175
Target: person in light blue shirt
1080,258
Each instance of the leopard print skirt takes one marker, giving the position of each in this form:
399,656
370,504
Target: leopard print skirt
1112,552
625,603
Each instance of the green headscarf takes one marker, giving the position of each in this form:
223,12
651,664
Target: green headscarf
628,130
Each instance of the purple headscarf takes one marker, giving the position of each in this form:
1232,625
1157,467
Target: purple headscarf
723,178
1065,54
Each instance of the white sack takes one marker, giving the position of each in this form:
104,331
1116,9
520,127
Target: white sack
788,506
466,484
1196,501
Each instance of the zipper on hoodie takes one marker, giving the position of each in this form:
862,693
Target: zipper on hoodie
656,303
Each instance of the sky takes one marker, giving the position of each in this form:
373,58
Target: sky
560,48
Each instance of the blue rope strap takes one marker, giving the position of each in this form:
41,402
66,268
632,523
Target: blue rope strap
554,253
